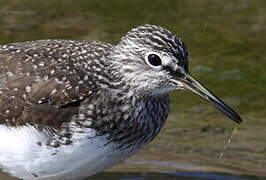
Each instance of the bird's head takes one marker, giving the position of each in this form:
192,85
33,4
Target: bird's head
155,61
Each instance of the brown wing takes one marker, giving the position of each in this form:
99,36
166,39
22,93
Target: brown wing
42,82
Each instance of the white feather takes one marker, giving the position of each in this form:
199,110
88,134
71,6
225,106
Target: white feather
21,156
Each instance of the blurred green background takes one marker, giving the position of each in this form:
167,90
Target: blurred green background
226,41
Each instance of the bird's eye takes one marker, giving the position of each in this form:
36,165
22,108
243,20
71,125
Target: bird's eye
154,60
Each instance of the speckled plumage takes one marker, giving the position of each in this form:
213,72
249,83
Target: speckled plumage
50,83
84,106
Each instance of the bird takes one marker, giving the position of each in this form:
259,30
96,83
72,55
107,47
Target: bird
72,108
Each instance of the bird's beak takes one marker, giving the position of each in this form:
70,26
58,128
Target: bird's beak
193,85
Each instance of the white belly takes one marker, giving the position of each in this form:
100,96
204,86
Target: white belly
22,157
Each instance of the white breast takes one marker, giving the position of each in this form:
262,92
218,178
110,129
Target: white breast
21,155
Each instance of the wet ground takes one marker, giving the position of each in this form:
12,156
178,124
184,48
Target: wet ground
226,40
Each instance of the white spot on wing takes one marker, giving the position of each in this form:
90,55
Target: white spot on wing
28,89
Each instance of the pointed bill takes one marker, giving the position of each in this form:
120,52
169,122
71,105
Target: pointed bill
193,85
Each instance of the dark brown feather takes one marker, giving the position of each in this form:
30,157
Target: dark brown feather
37,78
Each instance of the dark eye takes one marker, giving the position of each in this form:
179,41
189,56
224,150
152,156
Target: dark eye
154,60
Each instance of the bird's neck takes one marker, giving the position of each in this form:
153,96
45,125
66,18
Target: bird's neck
141,116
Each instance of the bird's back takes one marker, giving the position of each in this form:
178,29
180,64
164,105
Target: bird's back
41,76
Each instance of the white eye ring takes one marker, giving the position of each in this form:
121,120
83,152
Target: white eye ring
154,60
